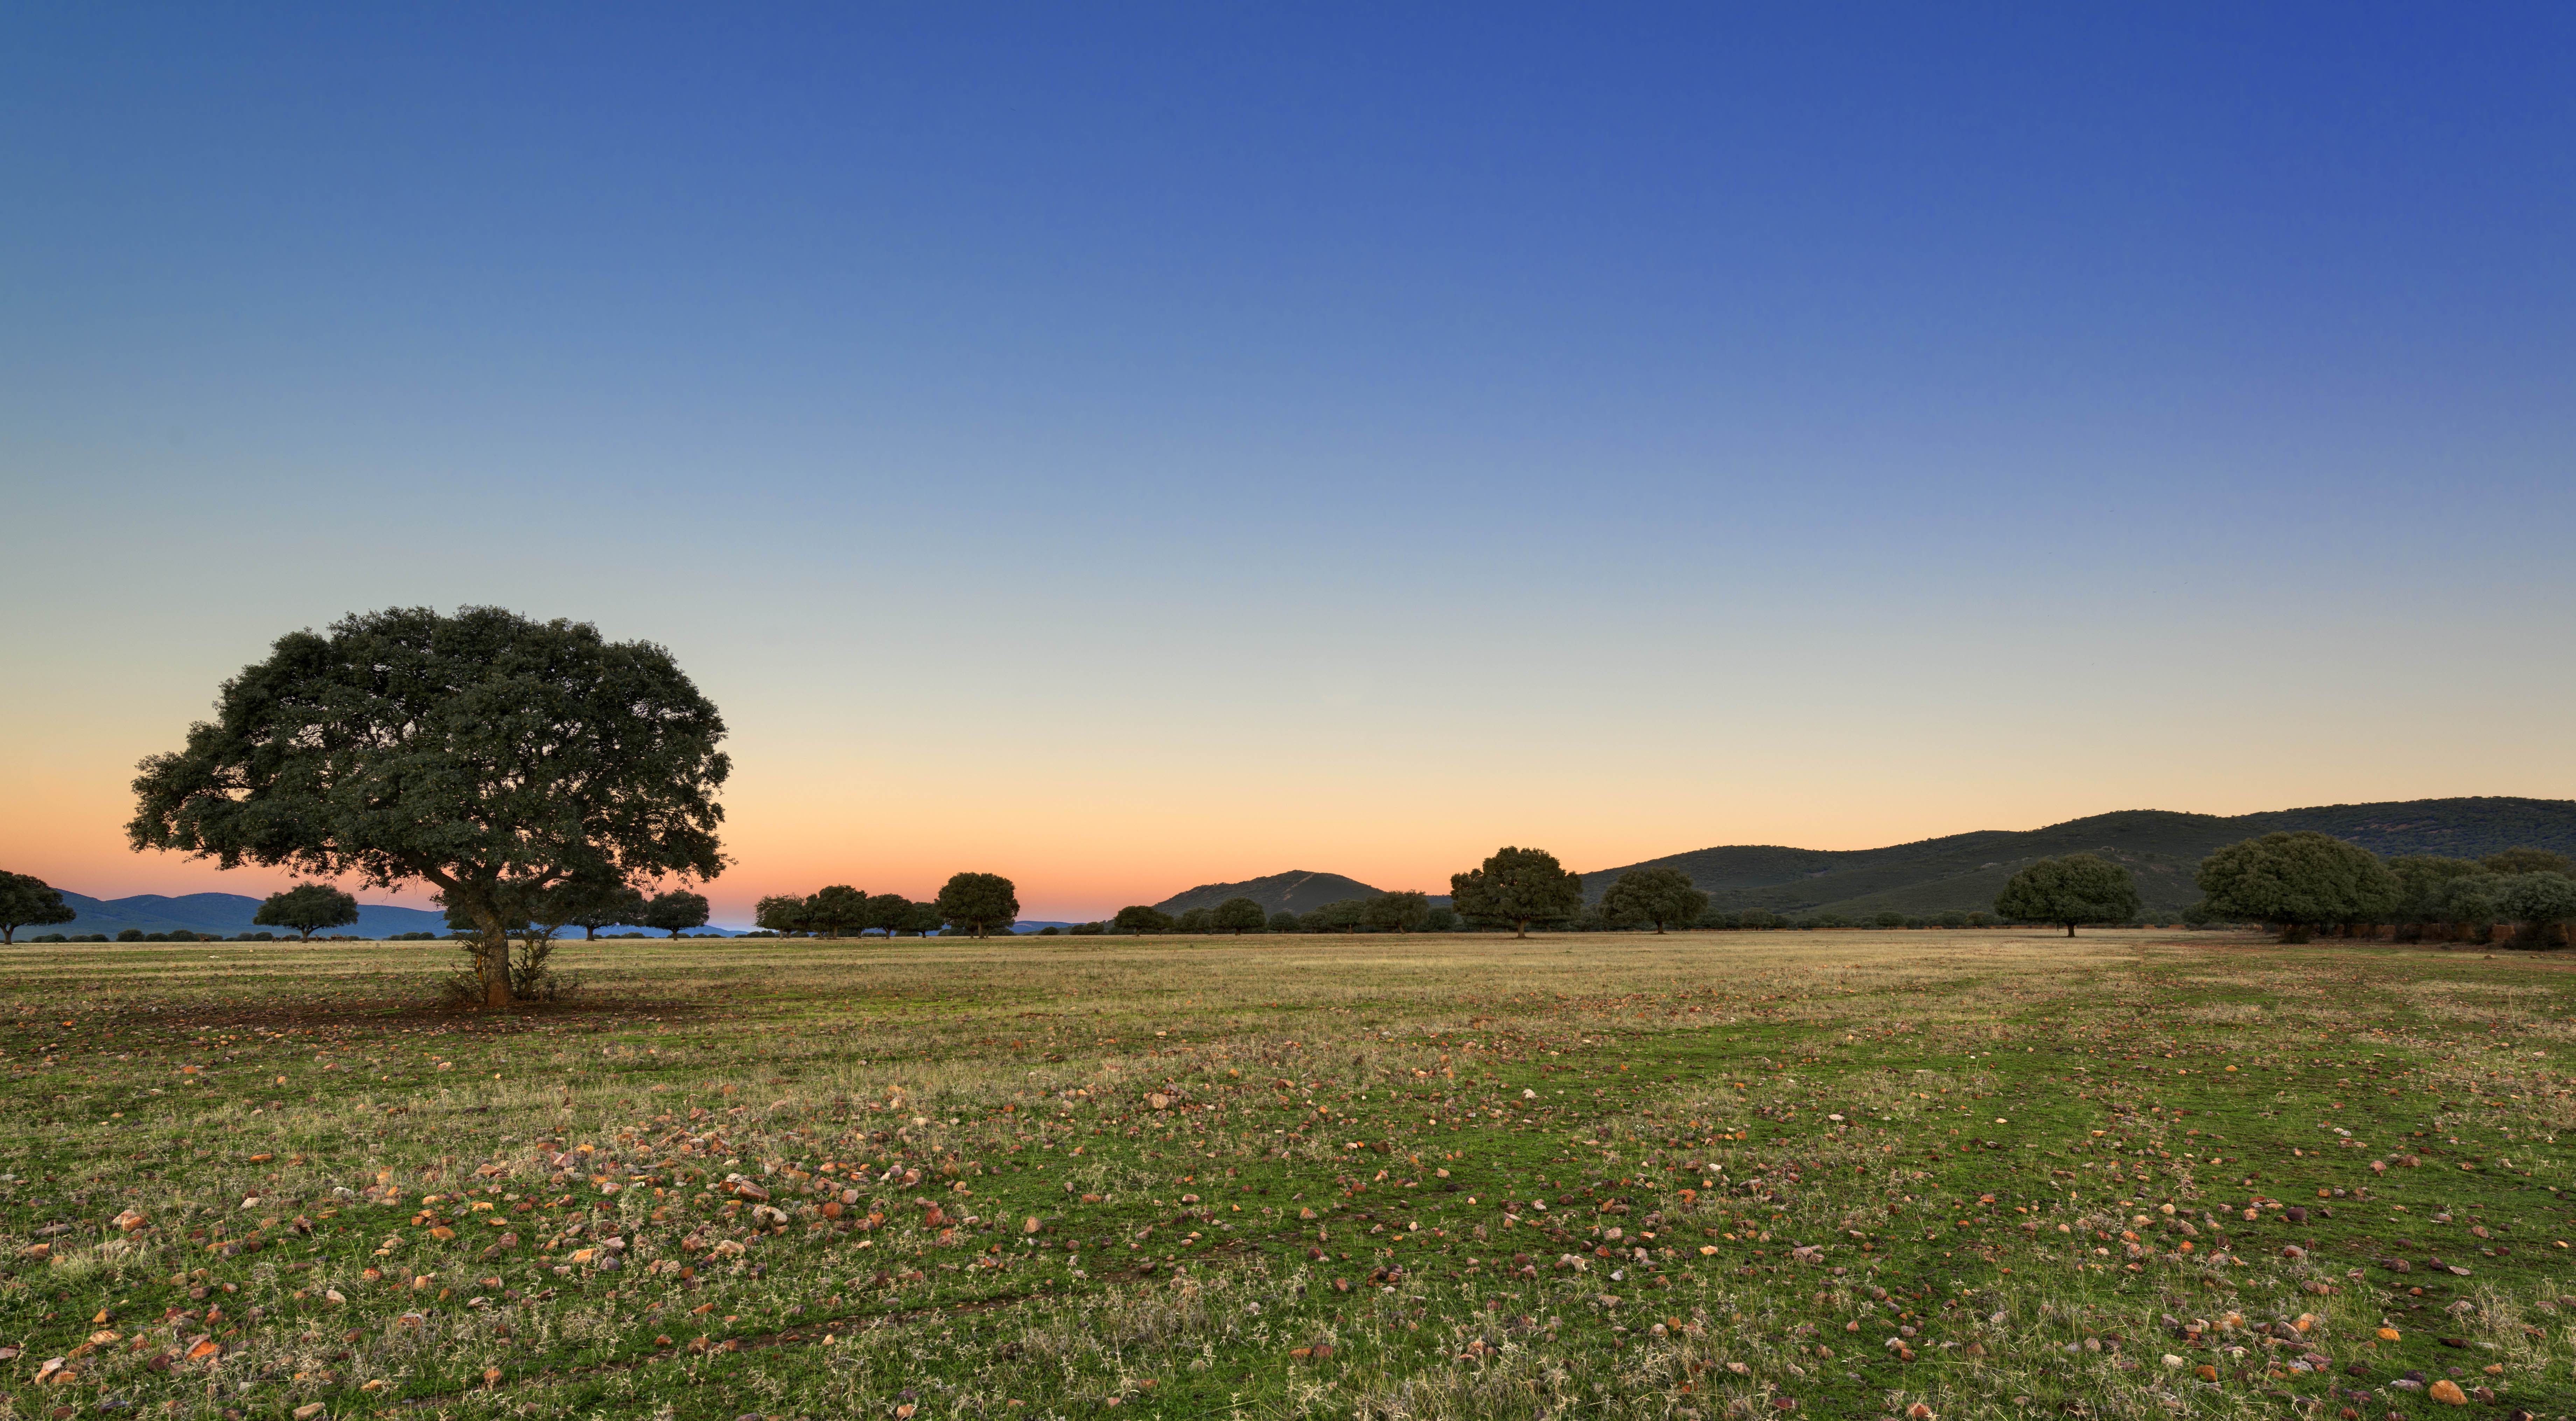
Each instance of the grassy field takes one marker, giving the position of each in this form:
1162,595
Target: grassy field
1722,1175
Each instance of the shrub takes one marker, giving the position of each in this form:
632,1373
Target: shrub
49,937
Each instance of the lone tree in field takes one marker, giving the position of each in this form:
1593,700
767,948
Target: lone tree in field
1239,916
2079,888
468,752
307,908
979,902
2298,881
594,905
1400,910
888,913
676,912
1139,919
781,913
27,902
838,909
1519,887
1654,895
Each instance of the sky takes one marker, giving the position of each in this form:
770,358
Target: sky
1130,447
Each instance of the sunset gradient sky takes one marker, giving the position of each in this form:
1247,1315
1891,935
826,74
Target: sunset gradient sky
1125,448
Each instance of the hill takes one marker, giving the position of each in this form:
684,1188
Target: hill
1297,891
2161,848
223,913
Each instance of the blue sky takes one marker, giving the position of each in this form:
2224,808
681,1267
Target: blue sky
1831,425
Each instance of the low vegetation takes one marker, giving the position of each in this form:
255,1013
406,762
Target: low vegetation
1970,1174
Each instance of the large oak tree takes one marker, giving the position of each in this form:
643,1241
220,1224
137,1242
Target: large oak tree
2298,881
2063,892
27,901
1661,896
1519,887
979,902
470,752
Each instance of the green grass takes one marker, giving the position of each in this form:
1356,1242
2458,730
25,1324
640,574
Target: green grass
1293,1176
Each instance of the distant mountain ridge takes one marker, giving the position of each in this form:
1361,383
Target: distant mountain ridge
221,913
1296,891
2162,849
225,914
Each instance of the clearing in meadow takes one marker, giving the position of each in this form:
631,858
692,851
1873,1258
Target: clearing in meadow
1697,1176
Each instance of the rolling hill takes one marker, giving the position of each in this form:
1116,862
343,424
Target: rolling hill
2161,848
221,913
1297,891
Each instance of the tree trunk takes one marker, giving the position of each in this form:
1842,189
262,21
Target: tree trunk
1520,927
2070,930
492,957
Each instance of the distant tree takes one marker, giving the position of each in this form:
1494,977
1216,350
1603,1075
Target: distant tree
2079,888
979,902
836,910
1342,915
1401,910
2298,881
1887,918
922,919
888,913
1654,895
463,751
307,908
2527,861
676,912
2542,902
2424,890
1283,921
1519,887
1239,916
604,903
1441,918
26,901
1954,919
781,913
1195,920
1137,918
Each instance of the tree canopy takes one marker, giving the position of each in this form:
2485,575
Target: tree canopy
676,912
979,902
837,909
465,751
2076,889
2516,861
1654,895
781,913
1400,910
1519,887
2543,902
1138,918
27,901
889,913
591,904
307,908
1238,916
2298,880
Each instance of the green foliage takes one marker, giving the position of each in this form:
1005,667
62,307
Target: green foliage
27,901
1441,918
1195,920
676,912
836,909
307,908
781,913
1661,896
2079,888
409,746
891,913
1519,887
592,903
2424,887
979,902
1238,916
1283,921
2543,902
1402,910
2299,881
1340,916
2516,861
1137,918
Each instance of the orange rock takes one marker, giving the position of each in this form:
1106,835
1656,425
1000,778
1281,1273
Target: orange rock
2447,1392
